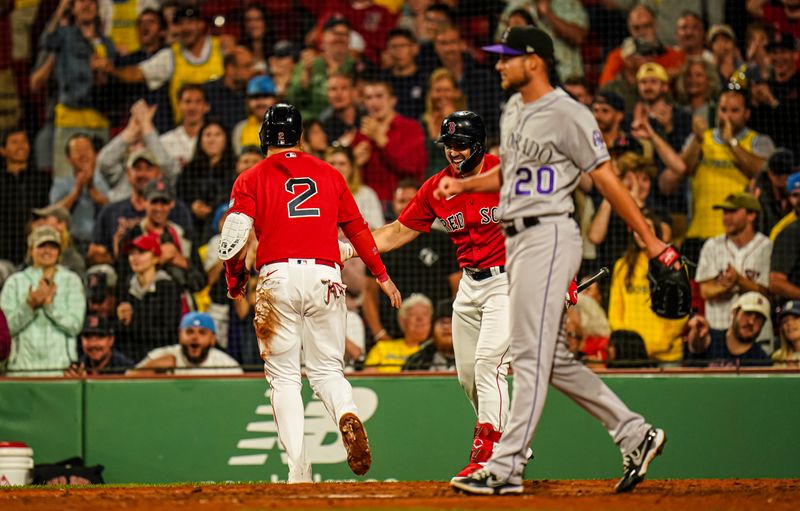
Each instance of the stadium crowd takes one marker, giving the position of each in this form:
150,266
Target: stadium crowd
124,125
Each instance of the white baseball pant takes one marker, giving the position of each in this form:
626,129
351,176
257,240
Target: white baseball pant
311,317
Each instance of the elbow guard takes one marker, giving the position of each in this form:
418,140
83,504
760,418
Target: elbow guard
234,235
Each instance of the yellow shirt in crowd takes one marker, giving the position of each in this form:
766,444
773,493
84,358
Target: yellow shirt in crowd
629,309
389,356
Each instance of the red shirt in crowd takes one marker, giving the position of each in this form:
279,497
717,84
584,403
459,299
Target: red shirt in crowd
373,23
404,156
296,202
671,59
470,219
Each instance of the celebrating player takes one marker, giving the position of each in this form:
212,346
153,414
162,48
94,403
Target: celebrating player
480,311
547,140
295,203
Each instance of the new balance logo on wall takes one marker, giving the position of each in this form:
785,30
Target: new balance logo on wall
323,440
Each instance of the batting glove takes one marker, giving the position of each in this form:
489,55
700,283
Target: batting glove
571,298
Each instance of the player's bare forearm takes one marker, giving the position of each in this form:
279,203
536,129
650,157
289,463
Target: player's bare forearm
485,182
620,199
393,236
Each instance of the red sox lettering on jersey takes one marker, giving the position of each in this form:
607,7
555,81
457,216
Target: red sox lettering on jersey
470,219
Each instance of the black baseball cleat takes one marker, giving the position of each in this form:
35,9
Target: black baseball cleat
483,482
635,463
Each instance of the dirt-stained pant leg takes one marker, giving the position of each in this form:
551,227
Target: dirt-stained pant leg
325,317
541,260
281,356
580,384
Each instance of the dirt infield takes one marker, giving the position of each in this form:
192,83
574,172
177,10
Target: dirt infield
594,495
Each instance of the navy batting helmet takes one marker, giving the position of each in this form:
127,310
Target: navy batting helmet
282,127
465,129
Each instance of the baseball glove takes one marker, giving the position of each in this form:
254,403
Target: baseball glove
670,293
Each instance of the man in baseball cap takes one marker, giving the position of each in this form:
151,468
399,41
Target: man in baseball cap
608,109
793,193
261,94
735,346
739,200
99,355
772,184
195,352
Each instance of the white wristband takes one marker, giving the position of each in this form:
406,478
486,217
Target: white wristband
345,251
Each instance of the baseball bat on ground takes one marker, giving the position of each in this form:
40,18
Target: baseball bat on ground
601,274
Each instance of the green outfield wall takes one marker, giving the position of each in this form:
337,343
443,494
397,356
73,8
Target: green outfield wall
171,430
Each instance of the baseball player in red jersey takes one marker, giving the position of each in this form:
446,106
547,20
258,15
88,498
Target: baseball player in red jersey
295,203
480,311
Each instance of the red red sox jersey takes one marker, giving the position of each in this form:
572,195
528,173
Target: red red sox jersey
470,219
296,202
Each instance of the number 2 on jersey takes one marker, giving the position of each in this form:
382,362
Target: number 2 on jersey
294,205
545,181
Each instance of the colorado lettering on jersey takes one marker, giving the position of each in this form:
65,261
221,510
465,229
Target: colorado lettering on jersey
530,148
454,222
489,216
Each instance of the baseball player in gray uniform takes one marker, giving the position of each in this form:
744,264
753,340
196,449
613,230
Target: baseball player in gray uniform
547,141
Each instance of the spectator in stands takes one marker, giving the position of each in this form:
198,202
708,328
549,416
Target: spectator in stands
307,89
727,57
792,184
784,277
194,354
671,14
608,231
629,302
735,262
566,21
281,65
140,132
721,161
314,139
257,35
342,117
181,141
414,317
690,34
44,306
776,101
80,58
219,307
395,144
480,86
427,265
609,112
634,54
436,16
366,199
644,39
369,20
771,191
443,98
98,354
697,87
579,88
248,157
80,193
226,95
179,257
261,94
437,353
59,218
587,327
788,355
22,188
735,346
207,179
783,15
151,29
194,58
758,66
101,290
150,303
408,81
117,217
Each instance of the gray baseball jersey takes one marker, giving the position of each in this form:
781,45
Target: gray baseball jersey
546,145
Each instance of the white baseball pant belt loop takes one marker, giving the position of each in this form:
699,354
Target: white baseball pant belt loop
294,262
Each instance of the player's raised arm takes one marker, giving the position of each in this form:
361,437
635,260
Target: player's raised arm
393,236
485,182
